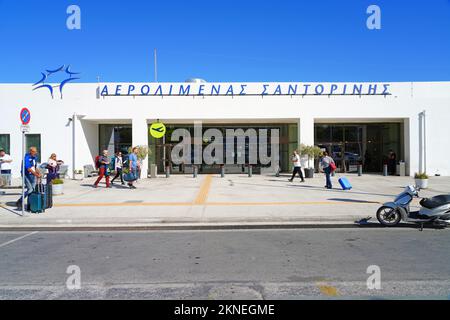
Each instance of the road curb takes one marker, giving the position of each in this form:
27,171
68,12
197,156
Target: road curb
190,227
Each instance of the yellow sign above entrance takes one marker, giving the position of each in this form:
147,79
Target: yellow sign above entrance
157,130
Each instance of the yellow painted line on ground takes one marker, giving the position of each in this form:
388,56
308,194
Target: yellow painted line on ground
201,200
287,203
328,290
121,204
204,190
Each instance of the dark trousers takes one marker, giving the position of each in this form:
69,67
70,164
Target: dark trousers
118,174
299,171
51,176
327,172
392,166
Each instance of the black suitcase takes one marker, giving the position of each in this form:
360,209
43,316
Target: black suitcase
48,196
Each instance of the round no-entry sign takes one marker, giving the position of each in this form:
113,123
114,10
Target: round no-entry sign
25,116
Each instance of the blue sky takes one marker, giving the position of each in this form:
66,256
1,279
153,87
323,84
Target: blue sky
233,40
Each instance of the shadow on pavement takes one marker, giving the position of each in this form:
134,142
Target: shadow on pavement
11,204
306,186
401,226
87,185
351,200
12,194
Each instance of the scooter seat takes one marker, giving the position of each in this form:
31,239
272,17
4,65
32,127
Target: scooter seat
434,202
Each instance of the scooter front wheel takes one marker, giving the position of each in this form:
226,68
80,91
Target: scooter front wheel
388,216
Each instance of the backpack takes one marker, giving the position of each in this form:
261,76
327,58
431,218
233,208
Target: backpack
125,161
112,163
97,162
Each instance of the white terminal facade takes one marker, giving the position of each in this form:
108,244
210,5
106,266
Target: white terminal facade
355,122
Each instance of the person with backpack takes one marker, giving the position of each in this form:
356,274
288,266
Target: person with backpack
102,163
328,166
117,164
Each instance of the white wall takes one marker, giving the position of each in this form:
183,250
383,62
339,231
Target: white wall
49,116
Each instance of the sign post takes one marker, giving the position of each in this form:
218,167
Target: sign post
25,117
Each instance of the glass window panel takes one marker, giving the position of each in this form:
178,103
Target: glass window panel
322,133
115,138
292,133
370,142
34,140
337,134
353,134
5,142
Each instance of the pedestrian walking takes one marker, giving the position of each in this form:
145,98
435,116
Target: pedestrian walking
30,173
118,166
103,169
392,162
297,167
328,166
5,166
133,165
53,167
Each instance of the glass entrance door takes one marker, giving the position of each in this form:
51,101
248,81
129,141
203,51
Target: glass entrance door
352,144
161,150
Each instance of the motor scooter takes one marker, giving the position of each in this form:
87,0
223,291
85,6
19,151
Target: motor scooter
435,210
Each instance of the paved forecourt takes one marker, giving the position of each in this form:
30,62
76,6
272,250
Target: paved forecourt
210,199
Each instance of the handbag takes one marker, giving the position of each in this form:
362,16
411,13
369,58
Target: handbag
332,166
129,177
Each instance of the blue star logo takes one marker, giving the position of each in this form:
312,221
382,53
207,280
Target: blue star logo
48,73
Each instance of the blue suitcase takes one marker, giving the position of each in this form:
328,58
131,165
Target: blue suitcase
36,202
345,184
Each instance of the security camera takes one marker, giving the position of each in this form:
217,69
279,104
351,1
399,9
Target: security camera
69,119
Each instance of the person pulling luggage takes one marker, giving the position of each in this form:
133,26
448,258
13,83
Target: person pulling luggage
328,166
31,173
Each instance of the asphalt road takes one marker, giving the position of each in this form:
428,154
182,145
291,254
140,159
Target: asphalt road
240,264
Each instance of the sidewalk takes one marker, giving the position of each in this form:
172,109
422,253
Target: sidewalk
211,201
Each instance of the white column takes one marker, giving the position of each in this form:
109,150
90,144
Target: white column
140,137
409,160
306,131
80,156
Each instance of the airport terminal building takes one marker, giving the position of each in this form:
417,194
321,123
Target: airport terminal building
358,123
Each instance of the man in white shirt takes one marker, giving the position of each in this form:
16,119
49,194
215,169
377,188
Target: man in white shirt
297,166
5,166
5,162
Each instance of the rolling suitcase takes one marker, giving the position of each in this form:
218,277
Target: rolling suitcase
48,196
345,184
36,200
